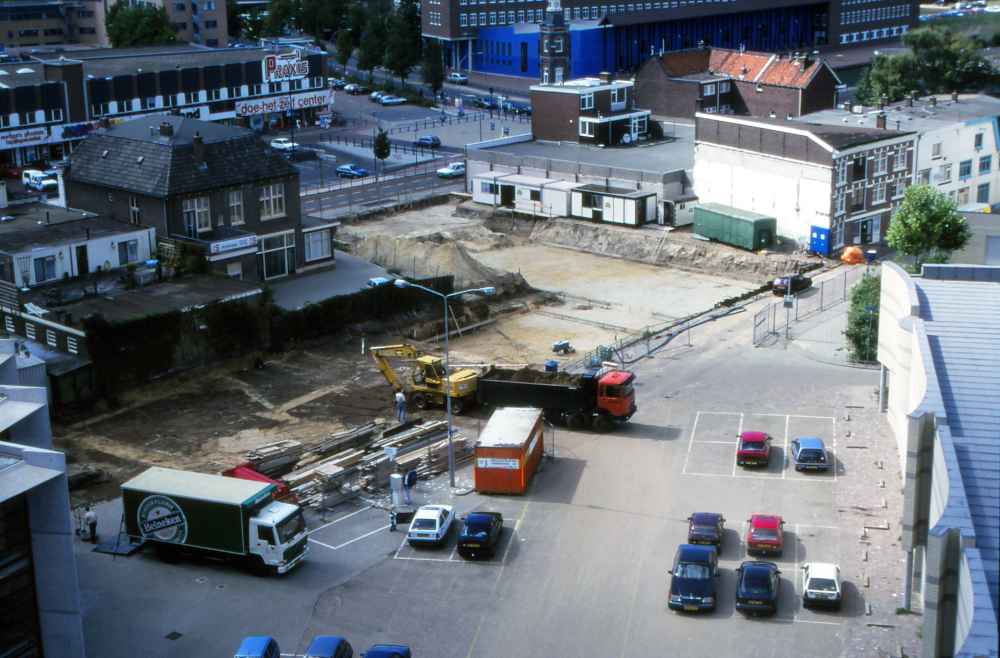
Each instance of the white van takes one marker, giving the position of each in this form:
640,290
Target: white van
37,180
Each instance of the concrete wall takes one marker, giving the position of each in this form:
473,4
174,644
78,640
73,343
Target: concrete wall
796,193
555,116
985,227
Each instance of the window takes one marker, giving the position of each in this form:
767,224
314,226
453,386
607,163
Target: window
277,254
133,206
235,270
983,193
858,200
128,252
53,31
924,177
985,164
520,17
878,195
211,25
29,330
178,7
235,92
180,26
898,188
586,13
4,121
708,90
71,345
979,140
587,101
197,217
936,150
26,118
860,168
531,16
473,19
881,162
274,88
841,171
317,245
257,90
510,18
88,30
85,13
488,188
945,173
482,18
9,324
27,33
617,96
464,20
45,268
294,85
208,6
272,200
723,87
587,129
964,169
214,94
838,203
493,18
236,207
899,157
557,46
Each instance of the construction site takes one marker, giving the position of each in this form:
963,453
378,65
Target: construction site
318,415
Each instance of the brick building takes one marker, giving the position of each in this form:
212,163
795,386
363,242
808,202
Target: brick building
217,186
828,186
502,36
718,81
599,112
49,104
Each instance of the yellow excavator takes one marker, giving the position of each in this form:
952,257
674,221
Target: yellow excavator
428,378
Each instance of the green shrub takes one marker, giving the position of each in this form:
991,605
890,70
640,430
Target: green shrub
865,293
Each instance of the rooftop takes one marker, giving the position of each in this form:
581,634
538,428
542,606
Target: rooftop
49,235
17,217
836,137
923,116
772,69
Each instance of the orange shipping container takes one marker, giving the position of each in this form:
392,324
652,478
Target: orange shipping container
508,450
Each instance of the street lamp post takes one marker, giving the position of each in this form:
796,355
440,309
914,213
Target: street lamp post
868,341
490,290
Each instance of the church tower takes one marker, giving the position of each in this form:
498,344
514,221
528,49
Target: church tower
553,45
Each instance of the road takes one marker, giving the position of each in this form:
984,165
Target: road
356,194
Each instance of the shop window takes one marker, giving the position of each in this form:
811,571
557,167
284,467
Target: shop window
214,94
276,255
317,245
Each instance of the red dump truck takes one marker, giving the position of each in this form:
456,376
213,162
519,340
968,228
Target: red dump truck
592,399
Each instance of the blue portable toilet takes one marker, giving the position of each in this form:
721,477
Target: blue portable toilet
258,647
819,240
551,366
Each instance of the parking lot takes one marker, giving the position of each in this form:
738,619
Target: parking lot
583,559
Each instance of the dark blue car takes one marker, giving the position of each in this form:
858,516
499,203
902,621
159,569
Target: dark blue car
692,586
388,651
757,587
329,646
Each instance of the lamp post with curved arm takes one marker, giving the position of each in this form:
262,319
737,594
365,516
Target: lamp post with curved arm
490,290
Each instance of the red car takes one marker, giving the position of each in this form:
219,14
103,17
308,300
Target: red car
767,534
754,449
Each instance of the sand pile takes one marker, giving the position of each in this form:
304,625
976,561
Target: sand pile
532,376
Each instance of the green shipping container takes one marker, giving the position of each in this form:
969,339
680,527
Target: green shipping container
734,226
209,512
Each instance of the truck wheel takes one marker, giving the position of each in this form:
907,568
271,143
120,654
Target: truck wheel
576,422
419,400
457,406
602,423
257,567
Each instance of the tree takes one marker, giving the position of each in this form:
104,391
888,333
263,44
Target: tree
139,25
939,61
234,24
254,25
864,341
280,16
401,56
927,222
344,49
370,56
863,92
381,148
432,69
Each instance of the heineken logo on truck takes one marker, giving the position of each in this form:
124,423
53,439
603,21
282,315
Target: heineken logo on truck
162,519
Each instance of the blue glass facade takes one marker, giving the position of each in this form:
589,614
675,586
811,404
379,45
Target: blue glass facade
513,49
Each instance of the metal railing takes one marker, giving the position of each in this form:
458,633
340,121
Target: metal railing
406,171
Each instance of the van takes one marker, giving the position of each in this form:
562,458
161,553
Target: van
37,180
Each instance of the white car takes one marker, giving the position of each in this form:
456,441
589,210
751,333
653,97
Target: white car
822,584
457,79
283,144
453,170
430,525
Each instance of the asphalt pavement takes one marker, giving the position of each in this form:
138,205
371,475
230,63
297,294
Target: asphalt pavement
350,275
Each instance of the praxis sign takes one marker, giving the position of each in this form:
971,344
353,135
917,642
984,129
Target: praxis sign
284,67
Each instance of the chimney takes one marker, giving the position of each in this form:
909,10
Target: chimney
933,101
879,106
880,122
3,194
914,95
166,129
885,100
909,101
954,97
606,77
199,150
743,48
60,170
103,122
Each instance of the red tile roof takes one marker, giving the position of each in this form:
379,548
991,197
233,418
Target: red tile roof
762,68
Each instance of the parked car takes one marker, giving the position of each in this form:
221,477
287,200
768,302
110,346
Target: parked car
40,181
485,103
480,534
800,282
428,141
387,651
375,96
258,647
758,584
766,535
430,525
283,144
329,646
377,281
517,108
821,584
355,90
350,171
809,455
706,529
335,83
391,100
453,170
457,79
693,578
754,449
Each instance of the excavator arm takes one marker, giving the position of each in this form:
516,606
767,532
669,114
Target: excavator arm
380,355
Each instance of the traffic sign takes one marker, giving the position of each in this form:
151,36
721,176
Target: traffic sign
391,451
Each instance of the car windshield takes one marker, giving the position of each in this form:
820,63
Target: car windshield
823,585
756,582
708,531
626,391
765,534
291,527
692,571
475,531
424,524
753,446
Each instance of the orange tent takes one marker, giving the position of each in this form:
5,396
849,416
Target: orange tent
853,256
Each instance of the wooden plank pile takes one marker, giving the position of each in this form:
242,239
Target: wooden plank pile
315,483
355,438
414,453
274,459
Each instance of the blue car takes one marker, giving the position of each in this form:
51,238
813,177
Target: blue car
809,455
351,171
329,646
388,651
258,647
757,586
692,585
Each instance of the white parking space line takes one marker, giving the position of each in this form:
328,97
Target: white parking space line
694,428
340,519
739,437
358,538
453,557
332,548
784,449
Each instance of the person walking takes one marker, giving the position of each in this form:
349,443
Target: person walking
90,518
400,407
392,518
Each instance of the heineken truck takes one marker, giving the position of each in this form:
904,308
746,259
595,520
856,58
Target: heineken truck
180,513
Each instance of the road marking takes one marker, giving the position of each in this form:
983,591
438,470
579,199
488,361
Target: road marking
739,438
694,428
759,476
356,538
322,544
784,450
339,520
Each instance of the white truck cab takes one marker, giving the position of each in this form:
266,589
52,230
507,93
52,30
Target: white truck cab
278,535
